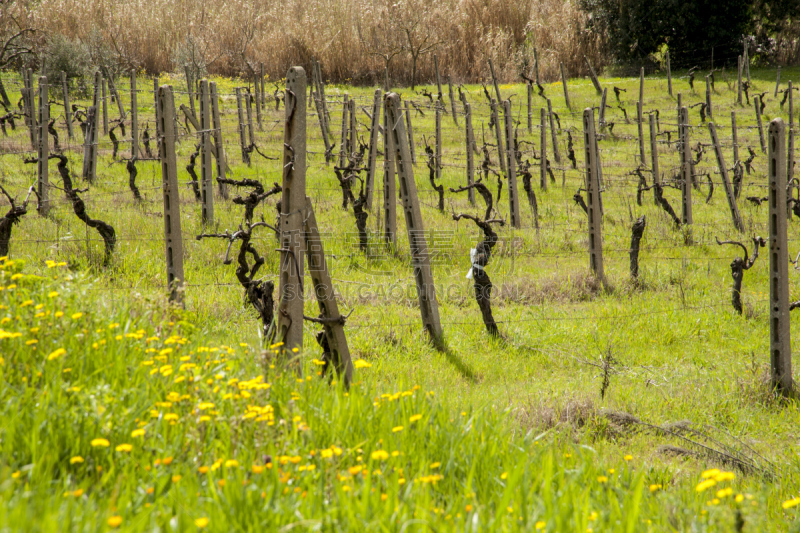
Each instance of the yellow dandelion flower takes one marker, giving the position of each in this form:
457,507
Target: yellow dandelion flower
76,459
231,463
414,418
100,443
379,455
137,433
628,458
360,363
115,521
788,504
201,522
124,448
540,524
76,316
655,487
602,479
397,429
703,485
56,354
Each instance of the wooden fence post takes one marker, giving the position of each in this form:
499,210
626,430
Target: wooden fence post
757,104
105,105
321,89
641,84
206,170
344,149
410,129
747,62
542,150
553,138
389,184
686,168
320,113
134,117
67,106
780,340
218,150
261,86
654,156
242,138
156,106
452,101
536,65
173,238
709,109
592,186
593,76
426,291
470,139
501,147
293,212
669,75
43,178
112,87
438,133
30,113
494,81
777,82
353,136
723,172
564,84
640,126
438,79
513,192
373,147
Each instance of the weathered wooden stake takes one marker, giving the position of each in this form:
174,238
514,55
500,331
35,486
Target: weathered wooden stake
67,106
734,138
353,134
564,84
530,107
739,82
536,65
790,148
723,172
494,81
553,138
321,89
206,169
173,239
261,87
513,192
654,156
373,147
43,178
593,76
251,132
592,186
602,115
438,79
757,104
293,212
543,150
134,117
190,90
156,106
777,82
641,85
470,139
746,60
426,291
779,325
257,92
242,127
92,131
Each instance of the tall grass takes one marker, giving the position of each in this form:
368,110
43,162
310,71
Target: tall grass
226,33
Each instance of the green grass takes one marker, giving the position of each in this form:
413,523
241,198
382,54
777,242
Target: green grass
516,423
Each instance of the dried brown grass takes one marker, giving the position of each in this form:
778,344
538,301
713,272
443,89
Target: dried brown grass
229,33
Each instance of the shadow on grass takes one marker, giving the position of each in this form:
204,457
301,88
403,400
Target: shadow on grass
455,360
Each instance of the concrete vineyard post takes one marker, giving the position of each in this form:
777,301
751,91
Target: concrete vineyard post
470,139
410,129
420,257
389,184
564,84
542,150
726,182
206,169
592,186
134,117
43,177
553,138
67,107
654,155
373,148
779,324
790,142
686,169
173,239
293,212
513,192
218,150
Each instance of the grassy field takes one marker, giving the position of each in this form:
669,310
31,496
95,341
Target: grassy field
492,434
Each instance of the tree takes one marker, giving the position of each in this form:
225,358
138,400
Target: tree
14,30
414,19
383,39
691,29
